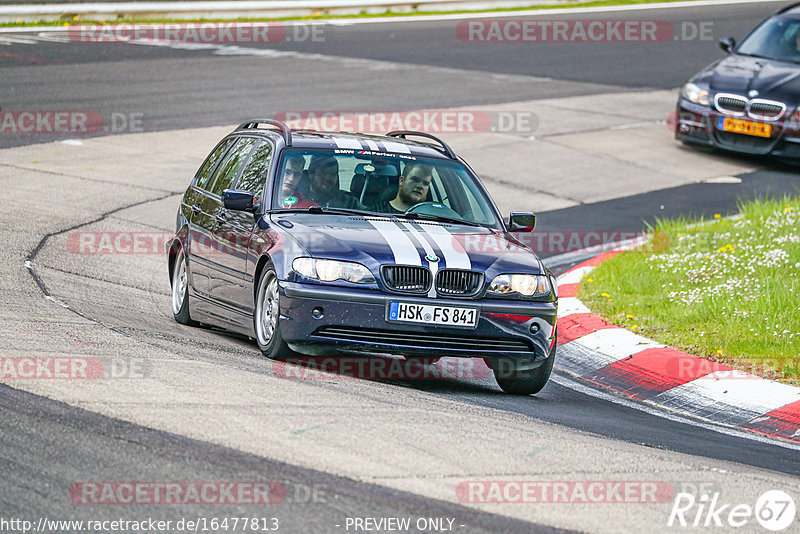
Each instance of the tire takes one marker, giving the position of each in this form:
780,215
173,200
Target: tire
180,291
266,316
525,382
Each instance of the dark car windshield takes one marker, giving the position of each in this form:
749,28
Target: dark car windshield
403,185
777,38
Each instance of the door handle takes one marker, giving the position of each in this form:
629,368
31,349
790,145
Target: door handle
196,208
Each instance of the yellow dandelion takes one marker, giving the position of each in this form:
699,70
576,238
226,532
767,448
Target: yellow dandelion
717,216
634,327
75,17
604,294
590,279
719,352
629,316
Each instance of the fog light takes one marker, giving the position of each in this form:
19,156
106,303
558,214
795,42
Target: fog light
534,328
317,313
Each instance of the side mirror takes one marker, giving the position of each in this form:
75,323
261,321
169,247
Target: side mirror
727,44
238,200
521,222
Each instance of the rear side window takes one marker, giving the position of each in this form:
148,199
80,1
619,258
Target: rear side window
254,175
229,168
207,170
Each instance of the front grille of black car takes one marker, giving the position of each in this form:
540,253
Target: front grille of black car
731,104
458,282
765,109
406,278
758,109
396,340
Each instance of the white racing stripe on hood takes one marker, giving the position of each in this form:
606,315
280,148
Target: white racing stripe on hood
432,265
454,255
404,250
372,144
346,142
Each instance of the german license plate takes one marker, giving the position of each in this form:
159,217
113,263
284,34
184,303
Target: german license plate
406,312
740,126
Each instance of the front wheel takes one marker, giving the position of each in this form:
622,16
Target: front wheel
266,319
527,381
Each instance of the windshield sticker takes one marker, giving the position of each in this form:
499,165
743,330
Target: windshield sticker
384,154
289,201
369,168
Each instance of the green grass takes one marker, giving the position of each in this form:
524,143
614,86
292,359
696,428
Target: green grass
724,289
70,20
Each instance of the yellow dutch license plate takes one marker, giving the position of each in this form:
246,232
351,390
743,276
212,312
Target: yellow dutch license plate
740,126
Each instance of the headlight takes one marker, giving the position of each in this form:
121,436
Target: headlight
331,270
527,285
696,94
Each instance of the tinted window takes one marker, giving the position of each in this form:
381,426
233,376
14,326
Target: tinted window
254,175
230,166
207,170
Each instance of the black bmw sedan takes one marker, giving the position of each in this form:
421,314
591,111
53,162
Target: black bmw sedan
748,101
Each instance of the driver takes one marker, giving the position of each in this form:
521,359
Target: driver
412,189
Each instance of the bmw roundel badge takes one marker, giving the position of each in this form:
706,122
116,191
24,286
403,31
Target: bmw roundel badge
432,258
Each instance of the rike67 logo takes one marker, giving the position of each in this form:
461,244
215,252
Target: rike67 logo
774,510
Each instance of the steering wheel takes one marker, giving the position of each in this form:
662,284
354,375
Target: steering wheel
434,208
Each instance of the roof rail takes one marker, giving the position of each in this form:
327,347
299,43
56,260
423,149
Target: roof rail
445,148
285,131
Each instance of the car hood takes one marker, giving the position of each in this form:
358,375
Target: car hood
738,74
377,241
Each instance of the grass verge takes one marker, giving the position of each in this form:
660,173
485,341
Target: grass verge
72,20
724,289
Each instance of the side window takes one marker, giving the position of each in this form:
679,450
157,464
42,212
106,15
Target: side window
207,170
254,175
230,166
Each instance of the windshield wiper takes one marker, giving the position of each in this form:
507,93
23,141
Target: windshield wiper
440,218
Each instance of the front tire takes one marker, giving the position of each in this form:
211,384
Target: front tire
527,381
266,318
180,291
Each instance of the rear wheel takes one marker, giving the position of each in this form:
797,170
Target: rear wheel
266,319
525,381
180,291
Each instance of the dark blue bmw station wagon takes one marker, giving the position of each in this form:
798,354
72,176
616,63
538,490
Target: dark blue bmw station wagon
325,243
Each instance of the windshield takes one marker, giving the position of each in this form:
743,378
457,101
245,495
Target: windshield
777,38
381,183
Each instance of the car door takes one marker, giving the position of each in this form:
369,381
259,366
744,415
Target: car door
192,211
207,249
235,231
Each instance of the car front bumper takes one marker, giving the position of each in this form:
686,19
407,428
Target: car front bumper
698,124
353,320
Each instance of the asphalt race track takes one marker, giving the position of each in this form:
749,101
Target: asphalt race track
197,404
